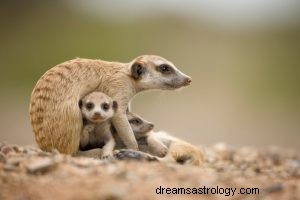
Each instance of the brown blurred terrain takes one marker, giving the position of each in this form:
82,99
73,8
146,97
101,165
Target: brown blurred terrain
265,173
245,88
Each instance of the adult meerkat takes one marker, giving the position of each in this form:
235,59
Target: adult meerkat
97,109
161,145
55,116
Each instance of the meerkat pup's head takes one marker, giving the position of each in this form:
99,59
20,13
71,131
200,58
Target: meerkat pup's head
97,107
154,72
139,125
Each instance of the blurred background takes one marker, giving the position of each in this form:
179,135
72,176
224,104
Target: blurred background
243,56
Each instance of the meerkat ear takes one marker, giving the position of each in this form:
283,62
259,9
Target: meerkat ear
115,106
137,70
80,104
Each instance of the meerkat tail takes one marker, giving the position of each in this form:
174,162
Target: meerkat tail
185,154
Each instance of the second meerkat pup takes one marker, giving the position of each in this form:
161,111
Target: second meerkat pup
161,144
97,110
55,117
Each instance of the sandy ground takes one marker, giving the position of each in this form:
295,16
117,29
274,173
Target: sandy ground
266,173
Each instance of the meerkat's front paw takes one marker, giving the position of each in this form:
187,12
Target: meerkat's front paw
128,154
161,151
124,154
107,156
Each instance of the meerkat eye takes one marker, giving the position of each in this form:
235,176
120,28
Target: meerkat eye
165,69
89,106
105,106
135,121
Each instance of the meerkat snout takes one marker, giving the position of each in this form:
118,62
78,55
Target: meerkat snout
151,126
188,81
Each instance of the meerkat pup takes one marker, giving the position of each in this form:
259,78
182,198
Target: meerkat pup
54,113
166,147
97,109
141,128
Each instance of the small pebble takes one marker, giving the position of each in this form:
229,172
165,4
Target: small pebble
40,165
223,151
9,167
293,167
16,148
6,149
274,188
113,194
15,161
44,153
2,157
2,144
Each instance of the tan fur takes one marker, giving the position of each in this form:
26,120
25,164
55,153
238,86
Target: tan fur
162,144
55,116
173,149
103,134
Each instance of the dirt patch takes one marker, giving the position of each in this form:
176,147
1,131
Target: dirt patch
29,173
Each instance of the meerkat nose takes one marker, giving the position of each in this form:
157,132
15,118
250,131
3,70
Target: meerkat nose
188,80
151,126
97,114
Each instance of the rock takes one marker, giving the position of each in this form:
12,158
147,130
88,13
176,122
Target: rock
113,194
2,144
44,153
16,148
85,162
15,161
29,150
274,188
293,167
60,158
6,149
223,151
246,155
40,165
2,157
9,167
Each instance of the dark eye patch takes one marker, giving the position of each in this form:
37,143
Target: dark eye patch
89,106
105,106
135,121
165,69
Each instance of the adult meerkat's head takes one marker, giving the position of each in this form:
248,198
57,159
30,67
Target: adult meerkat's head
139,125
97,107
155,72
